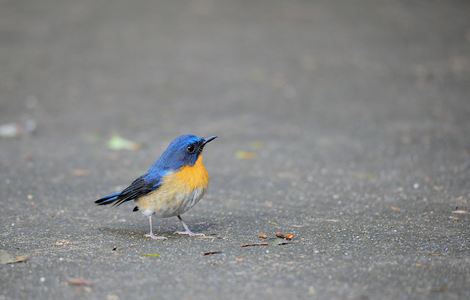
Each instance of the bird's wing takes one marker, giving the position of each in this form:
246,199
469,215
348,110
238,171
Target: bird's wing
138,188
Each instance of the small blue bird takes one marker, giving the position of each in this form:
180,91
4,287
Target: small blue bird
172,185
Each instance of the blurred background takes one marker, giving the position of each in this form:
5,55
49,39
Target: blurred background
343,118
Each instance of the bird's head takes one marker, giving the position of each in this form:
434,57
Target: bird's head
182,151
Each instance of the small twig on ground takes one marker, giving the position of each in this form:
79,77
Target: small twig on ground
211,253
254,245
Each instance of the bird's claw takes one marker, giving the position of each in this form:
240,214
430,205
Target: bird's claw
155,237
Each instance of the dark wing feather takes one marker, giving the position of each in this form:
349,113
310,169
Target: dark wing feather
138,188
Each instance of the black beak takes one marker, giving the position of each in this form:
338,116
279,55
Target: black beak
209,139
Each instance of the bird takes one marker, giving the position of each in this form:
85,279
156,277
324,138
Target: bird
175,182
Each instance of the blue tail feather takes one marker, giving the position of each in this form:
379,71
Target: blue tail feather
108,199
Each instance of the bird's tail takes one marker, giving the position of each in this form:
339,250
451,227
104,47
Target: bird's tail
108,199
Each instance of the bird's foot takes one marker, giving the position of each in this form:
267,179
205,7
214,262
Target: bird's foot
155,237
189,233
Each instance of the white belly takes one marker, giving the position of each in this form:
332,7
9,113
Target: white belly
187,201
174,205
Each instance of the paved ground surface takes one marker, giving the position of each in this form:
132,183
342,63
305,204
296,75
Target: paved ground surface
358,113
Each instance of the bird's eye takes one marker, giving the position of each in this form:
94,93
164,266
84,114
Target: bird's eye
190,149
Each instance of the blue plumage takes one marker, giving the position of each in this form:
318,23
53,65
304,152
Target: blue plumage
176,155
108,199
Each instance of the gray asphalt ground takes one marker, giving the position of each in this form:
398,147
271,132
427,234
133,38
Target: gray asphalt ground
354,117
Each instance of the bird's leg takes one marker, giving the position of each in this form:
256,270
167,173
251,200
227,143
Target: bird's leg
151,235
187,231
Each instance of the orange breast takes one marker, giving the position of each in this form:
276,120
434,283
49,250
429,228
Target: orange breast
171,197
194,176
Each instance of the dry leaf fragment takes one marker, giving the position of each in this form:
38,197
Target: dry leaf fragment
395,208
332,220
286,236
460,212
112,297
239,259
440,289
62,242
152,255
21,258
79,282
80,172
257,145
7,258
245,155
13,130
254,245
312,291
117,143
211,253
262,235
290,236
